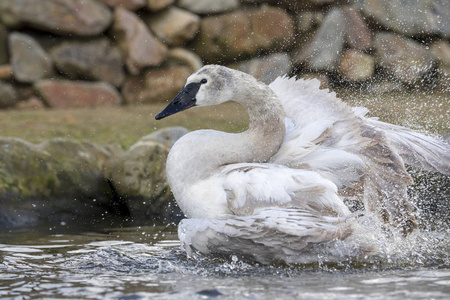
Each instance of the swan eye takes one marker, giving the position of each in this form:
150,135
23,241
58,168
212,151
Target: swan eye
203,81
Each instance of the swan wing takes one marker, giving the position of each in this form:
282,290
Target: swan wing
249,187
322,132
291,235
431,153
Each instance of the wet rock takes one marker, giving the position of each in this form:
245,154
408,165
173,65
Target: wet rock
92,60
6,72
55,180
183,57
139,46
266,68
242,33
416,18
127,4
78,17
324,52
404,58
138,177
29,61
208,6
4,58
157,5
174,26
8,95
65,94
356,66
166,136
155,85
357,33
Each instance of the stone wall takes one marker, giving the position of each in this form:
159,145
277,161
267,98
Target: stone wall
73,53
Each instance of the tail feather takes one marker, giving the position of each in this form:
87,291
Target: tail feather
417,149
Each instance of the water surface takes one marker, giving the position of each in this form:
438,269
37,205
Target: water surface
146,263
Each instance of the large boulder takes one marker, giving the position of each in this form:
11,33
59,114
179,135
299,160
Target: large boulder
78,17
56,181
139,46
65,93
239,34
404,58
414,18
94,60
138,177
155,85
29,61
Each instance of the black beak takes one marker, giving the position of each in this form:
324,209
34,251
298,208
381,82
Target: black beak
184,100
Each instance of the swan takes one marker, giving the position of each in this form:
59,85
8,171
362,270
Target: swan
274,192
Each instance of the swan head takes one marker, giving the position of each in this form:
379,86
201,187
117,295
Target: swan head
210,85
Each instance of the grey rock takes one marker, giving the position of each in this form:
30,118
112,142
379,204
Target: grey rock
140,48
138,177
441,51
357,33
416,17
404,58
8,95
78,17
56,181
184,57
157,5
356,66
155,85
94,60
208,6
4,58
174,26
128,4
29,61
239,34
324,52
266,68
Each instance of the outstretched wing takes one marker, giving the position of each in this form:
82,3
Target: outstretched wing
327,136
322,132
250,187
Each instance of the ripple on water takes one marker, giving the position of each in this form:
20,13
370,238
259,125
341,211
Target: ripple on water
124,265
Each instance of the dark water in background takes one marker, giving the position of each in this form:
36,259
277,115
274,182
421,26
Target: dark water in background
146,263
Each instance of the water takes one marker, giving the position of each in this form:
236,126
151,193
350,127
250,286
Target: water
146,263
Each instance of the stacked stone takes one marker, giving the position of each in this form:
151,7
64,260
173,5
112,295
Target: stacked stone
78,53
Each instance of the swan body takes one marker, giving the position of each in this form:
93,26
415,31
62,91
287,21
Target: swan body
274,192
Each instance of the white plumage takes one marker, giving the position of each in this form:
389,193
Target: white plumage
274,192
